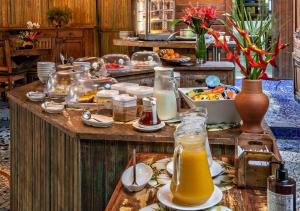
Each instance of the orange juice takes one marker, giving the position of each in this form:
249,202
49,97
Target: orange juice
191,182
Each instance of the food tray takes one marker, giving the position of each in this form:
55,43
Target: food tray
219,111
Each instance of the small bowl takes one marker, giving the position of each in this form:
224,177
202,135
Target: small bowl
35,96
143,176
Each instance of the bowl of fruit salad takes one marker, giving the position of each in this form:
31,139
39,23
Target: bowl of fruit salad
219,101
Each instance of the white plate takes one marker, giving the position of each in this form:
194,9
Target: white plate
105,121
137,126
53,109
36,96
215,168
165,196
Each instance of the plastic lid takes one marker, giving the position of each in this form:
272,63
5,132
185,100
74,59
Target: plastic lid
140,91
125,98
122,86
107,93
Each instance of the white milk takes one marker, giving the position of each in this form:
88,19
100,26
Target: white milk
166,104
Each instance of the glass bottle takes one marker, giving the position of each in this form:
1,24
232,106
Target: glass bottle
191,182
165,93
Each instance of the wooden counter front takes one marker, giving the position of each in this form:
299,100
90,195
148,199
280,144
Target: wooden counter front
190,76
58,163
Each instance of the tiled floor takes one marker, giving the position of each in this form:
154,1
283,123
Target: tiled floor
283,117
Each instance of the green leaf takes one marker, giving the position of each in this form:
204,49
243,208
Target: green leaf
175,22
196,23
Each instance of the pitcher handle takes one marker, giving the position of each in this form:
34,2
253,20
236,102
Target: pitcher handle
177,162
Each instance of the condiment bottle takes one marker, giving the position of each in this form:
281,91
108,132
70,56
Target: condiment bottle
281,190
149,116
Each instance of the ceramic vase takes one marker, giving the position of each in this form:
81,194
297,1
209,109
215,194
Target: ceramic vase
252,104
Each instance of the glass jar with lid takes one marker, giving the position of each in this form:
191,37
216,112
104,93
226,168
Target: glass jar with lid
191,182
116,62
165,93
83,92
145,59
59,82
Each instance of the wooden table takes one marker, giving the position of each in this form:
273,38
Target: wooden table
58,163
159,44
235,198
31,52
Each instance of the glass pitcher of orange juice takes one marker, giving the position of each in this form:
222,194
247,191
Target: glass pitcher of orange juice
191,182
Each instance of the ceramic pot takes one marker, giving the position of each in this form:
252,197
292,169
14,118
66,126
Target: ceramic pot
252,104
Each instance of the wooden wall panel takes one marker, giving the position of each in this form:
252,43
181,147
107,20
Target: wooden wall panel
25,10
84,11
283,26
106,45
115,15
297,15
15,13
4,13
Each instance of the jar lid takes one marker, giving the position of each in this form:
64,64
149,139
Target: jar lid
125,98
122,86
140,91
107,93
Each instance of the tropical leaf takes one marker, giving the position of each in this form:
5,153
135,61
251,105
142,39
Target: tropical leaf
175,22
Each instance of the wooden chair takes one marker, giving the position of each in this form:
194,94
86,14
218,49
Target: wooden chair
9,74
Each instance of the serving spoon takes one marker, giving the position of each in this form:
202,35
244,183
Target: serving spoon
86,115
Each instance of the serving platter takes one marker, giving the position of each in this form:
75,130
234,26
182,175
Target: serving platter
219,111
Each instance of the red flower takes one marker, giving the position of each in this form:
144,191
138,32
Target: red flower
209,13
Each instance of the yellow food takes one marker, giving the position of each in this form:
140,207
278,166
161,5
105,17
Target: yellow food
87,97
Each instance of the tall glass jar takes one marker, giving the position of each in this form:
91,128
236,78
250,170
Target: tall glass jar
191,182
165,92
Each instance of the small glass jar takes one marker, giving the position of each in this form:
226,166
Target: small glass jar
149,116
124,108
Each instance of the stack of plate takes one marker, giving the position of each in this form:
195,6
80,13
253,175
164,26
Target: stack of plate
44,70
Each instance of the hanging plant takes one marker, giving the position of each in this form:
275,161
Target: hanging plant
59,16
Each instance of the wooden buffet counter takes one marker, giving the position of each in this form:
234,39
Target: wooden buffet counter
58,163
190,76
